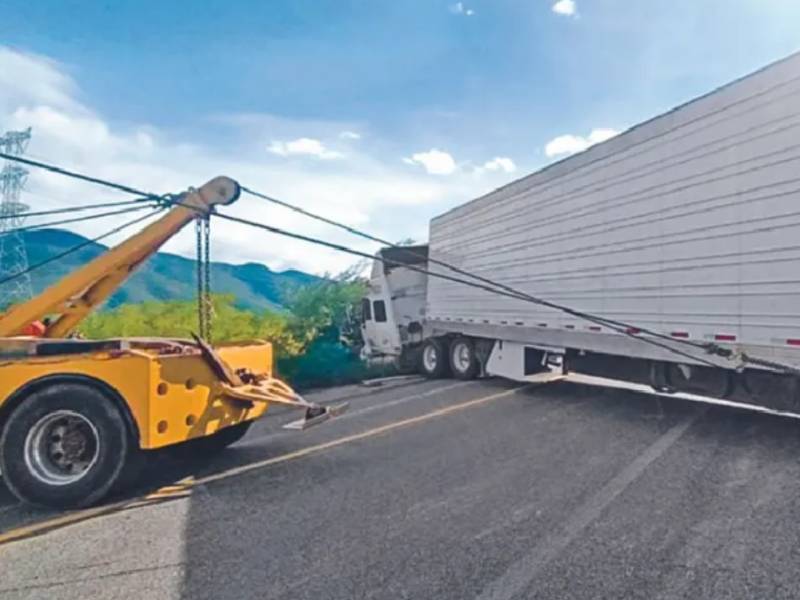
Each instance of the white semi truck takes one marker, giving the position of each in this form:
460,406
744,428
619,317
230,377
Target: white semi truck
686,227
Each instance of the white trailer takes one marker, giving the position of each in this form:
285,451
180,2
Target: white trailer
687,225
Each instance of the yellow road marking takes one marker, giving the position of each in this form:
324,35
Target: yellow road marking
183,488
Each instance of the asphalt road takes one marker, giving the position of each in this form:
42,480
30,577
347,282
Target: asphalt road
452,490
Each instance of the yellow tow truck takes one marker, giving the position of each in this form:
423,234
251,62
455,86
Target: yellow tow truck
76,414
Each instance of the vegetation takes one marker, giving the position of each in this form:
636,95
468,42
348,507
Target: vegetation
313,339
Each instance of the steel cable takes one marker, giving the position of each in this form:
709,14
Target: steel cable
488,285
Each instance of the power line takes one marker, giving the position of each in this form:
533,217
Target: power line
75,175
82,245
80,219
71,209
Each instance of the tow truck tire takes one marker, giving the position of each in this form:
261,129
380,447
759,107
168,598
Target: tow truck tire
463,361
64,446
433,361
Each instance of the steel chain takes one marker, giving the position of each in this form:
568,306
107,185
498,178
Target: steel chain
209,308
201,322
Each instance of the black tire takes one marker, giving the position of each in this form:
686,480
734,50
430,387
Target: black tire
433,361
211,445
68,431
463,361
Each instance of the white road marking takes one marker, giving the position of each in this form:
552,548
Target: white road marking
521,573
403,400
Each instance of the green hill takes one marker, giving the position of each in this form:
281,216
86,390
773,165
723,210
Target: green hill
165,276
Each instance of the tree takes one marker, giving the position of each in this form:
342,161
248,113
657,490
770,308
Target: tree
307,338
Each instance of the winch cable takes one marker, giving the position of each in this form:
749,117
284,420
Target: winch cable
71,209
619,327
496,291
80,176
59,223
518,294
634,332
80,246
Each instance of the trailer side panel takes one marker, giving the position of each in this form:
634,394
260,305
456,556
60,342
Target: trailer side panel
688,224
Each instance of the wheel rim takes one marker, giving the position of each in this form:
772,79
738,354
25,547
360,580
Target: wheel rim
61,447
462,358
429,358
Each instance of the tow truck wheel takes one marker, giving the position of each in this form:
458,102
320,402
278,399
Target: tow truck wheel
64,446
433,358
463,361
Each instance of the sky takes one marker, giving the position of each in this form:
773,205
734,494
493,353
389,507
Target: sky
377,113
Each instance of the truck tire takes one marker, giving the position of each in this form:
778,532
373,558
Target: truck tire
211,445
463,361
433,361
64,446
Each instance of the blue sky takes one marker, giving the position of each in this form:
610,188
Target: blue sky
383,113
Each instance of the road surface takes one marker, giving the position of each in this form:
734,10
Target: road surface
448,490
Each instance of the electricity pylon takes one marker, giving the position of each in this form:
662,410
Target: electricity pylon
15,282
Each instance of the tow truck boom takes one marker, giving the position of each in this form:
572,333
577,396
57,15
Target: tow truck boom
77,294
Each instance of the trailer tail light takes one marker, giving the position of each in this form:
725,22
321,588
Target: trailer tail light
793,342
724,337
633,330
680,334
594,328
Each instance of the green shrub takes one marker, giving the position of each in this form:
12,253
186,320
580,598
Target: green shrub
307,338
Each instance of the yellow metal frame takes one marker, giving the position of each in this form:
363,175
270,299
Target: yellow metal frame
174,390
171,397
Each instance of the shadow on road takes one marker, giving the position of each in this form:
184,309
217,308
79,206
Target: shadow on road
294,531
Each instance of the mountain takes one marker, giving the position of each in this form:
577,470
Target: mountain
165,276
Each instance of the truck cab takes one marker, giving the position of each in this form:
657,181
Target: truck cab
393,311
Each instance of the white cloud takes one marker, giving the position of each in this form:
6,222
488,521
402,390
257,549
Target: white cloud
435,162
567,8
570,144
350,135
303,147
500,163
459,9
365,191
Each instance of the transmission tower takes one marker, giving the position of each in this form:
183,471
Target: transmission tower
13,254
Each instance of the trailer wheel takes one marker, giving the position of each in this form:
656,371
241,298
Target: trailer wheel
65,446
433,361
463,361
